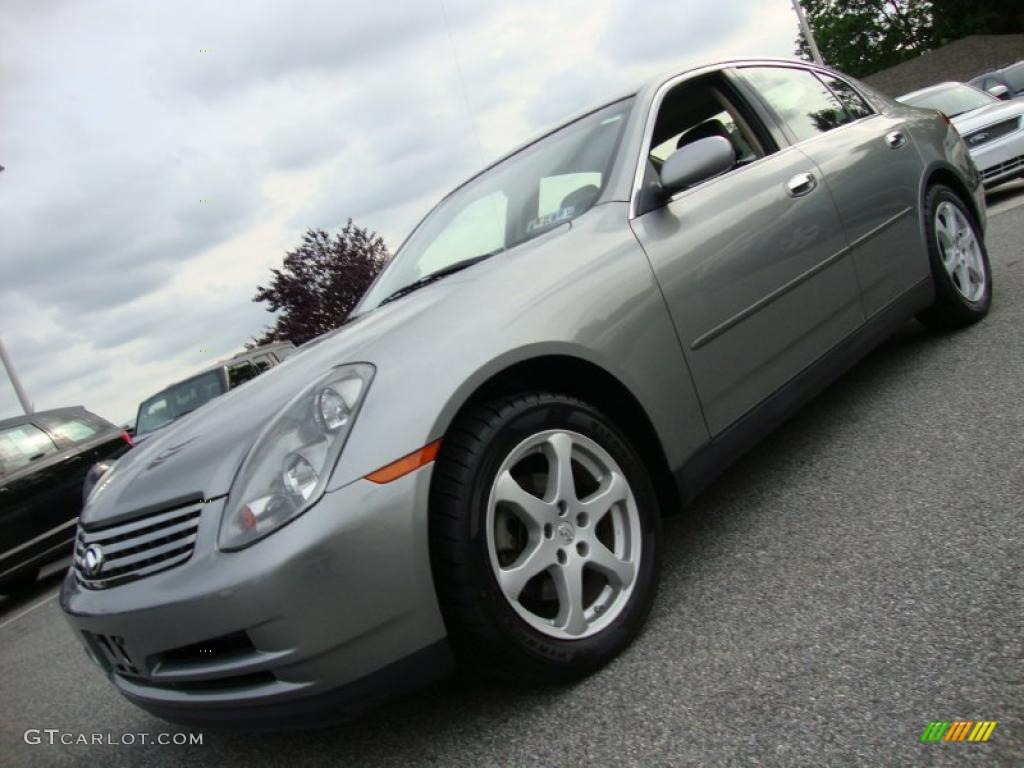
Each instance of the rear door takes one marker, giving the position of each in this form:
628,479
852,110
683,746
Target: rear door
31,505
752,263
870,166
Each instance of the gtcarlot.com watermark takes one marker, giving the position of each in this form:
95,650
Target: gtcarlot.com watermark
57,736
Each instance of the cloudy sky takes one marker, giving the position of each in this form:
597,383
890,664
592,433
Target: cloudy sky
118,118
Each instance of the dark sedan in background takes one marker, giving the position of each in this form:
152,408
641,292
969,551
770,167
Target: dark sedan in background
44,458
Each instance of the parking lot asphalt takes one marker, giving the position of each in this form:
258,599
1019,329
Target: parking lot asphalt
856,576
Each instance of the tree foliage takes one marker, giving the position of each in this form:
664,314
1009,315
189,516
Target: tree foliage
953,19
863,36
320,282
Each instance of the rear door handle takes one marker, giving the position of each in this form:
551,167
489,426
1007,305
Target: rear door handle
801,184
895,139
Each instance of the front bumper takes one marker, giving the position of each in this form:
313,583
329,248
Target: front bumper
308,614
1002,159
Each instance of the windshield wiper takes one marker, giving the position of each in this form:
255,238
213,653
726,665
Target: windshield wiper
451,269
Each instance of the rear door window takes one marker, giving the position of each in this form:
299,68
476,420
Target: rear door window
19,446
801,100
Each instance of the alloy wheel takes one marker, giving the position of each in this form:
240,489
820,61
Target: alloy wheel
960,251
563,534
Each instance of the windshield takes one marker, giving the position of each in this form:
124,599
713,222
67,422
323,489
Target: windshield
952,101
534,191
174,402
1014,76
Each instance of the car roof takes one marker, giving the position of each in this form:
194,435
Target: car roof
71,410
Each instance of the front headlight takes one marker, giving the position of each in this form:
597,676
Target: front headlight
287,468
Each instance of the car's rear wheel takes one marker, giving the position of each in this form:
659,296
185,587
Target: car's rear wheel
544,530
959,263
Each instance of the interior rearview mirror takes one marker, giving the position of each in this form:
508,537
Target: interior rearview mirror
1000,91
696,162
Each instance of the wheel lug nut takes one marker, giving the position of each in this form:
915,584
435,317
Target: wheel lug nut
582,519
562,507
582,548
562,557
548,531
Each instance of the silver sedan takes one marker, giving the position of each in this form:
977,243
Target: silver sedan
473,468
992,129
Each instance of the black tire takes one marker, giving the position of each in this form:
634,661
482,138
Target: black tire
952,309
486,633
19,582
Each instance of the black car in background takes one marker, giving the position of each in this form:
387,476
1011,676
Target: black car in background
44,458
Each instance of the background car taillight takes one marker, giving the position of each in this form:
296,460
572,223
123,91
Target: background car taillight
127,438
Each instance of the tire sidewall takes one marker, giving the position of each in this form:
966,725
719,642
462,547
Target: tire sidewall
511,629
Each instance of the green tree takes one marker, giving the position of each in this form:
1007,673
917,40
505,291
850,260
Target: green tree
862,36
953,19
320,282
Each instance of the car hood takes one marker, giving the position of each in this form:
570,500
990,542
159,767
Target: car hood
994,113
198,456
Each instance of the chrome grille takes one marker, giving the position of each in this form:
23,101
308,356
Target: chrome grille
991,133
137,548
1009,166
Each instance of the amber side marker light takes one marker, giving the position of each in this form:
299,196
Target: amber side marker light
406,464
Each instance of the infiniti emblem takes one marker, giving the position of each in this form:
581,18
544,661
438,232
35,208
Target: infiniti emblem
92,560
566,533
978,138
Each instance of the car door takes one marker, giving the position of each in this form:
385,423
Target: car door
871,169
753,263
30,505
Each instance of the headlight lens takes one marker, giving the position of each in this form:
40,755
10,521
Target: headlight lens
287,469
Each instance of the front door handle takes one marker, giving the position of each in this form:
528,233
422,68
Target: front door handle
895,139
801,184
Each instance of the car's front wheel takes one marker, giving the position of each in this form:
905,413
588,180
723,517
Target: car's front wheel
544,533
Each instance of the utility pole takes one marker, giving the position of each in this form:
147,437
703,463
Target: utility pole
13,375
808,34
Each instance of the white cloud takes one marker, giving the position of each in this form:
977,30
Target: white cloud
115,275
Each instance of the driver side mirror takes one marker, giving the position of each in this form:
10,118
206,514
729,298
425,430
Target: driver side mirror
696,162
999,91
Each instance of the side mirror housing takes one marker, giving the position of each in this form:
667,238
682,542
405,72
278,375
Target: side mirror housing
1000,92
696,162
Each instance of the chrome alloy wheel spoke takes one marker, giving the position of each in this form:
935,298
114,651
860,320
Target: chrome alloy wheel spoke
960,251
587,550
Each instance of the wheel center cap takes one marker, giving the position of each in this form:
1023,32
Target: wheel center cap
566,533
